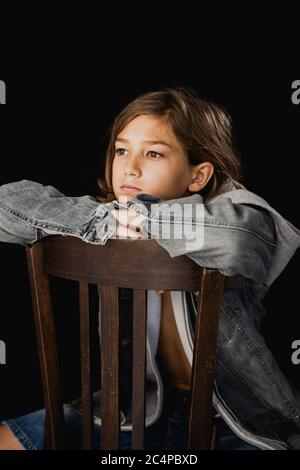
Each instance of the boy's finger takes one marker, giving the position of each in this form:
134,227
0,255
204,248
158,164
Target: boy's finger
128,217
126,232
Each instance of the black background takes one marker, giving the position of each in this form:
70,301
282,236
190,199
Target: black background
53,131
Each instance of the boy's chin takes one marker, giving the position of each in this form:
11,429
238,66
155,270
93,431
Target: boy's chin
126,197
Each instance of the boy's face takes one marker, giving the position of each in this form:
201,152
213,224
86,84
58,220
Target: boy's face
160,169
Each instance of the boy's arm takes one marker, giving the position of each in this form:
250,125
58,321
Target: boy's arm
30,211
234,238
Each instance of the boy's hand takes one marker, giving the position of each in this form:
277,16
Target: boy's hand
129,223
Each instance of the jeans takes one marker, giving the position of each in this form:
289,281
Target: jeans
170,432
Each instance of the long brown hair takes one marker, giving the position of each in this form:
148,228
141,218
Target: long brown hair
203,128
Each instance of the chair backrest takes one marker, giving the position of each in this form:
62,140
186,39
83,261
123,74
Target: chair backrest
140,265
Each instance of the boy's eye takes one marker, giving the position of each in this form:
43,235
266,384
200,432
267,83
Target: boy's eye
119,150
154,155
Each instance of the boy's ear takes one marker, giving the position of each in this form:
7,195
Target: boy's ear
200,176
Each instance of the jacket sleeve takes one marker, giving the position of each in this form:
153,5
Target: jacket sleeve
30,211
14,227
233,238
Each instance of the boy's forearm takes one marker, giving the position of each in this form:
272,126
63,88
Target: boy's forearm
30,211
234,238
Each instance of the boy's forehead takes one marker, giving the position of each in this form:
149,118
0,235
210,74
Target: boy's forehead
144,127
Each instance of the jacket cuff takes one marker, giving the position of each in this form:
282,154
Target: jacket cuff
141,204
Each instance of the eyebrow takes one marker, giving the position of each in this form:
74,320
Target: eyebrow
153,142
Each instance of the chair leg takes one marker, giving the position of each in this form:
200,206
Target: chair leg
214,437
47,348
204,358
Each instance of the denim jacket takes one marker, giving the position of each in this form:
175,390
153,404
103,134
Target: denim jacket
243,235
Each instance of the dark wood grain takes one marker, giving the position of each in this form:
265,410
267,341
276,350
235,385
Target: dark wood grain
139,367
140,265
204,356
47,348
85,354
110,424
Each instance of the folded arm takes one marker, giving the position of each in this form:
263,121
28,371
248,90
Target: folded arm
30,211
234,238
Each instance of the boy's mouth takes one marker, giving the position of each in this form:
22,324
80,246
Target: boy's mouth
129,189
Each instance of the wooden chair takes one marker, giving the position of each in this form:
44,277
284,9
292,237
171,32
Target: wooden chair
139,265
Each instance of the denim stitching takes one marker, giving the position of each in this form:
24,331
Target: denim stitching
39,224
19,433
256,350
277,417
205,224
36,222
193,222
